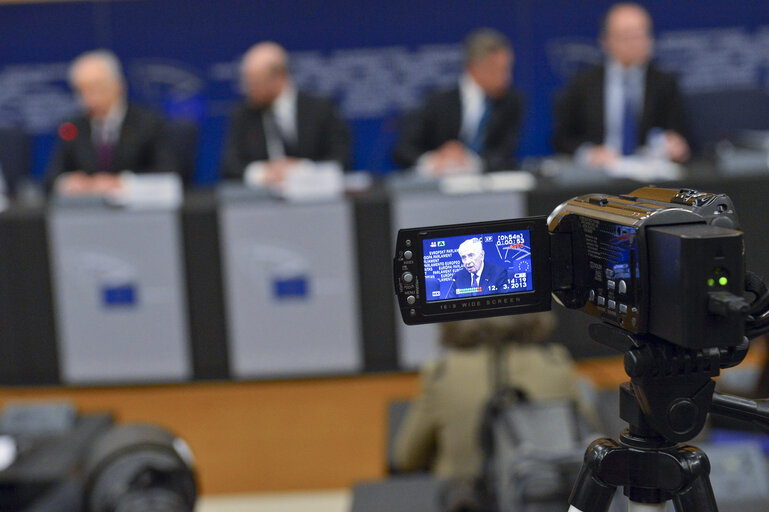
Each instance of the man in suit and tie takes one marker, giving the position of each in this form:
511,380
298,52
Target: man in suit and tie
472,127
477,272
110,136
278,125
610,111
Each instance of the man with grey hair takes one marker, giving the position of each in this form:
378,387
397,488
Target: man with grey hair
472,127
478,276
110,136
277,125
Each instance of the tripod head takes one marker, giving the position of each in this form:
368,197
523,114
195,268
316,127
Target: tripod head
666,402
671,388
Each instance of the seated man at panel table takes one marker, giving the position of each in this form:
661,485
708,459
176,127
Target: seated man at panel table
472,127
279,126
110,136
612,110
478,277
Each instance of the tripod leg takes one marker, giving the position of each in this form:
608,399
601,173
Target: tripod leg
645,507
698,497
590,494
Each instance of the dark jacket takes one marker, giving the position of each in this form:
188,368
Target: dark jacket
492,274
142,146
440,120
579,111
321,135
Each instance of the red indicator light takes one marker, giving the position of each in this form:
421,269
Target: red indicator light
68,131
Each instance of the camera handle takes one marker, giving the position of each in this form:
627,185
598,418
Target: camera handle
665,404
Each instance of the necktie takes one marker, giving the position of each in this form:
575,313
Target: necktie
475,280
629,121
104,157
479,139
103,147
276,147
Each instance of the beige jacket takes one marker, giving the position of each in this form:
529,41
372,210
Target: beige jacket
443,424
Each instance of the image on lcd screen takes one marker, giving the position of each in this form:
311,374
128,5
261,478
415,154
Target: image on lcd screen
458,267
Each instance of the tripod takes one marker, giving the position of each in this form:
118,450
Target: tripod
665,404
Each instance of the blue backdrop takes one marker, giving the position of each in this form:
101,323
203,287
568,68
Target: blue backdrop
376,58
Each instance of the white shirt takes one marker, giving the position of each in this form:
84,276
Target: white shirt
472,99
283,112
478,279
284,109
107,130
614,99
3,199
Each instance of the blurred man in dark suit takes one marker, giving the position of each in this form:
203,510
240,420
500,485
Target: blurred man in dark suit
111,136
609,111
278,125
477,273
472,127
15,160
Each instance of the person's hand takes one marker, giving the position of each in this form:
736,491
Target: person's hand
73,183
104,183
276,170
448,158
601,157
676,147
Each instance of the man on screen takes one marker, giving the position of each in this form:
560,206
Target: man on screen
484,276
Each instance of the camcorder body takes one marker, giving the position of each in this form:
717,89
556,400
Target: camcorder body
656,261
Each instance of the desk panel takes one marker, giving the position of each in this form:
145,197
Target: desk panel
291,291
119,295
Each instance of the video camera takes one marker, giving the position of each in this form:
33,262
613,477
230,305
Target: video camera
642,262
663,270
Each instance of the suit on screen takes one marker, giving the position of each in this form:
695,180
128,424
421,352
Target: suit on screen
490,275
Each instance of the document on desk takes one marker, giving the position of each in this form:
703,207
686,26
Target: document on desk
156,191
313,181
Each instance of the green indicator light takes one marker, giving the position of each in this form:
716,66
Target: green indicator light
711,282
722,281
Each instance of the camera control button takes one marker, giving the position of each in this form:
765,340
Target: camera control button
612,304
622,287
601,300
623,308
408,243
408,277
592,295
411,299
408,255
610,284
609,273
